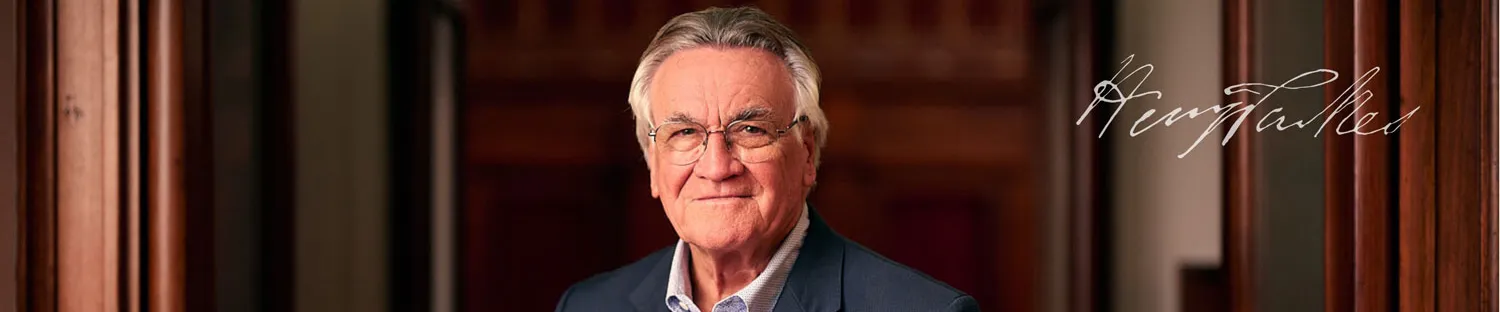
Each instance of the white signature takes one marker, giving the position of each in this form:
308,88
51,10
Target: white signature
1356,96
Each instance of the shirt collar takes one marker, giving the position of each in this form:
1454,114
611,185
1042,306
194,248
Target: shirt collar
760,295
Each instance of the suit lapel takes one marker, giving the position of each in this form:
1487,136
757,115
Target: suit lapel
816,281
652,293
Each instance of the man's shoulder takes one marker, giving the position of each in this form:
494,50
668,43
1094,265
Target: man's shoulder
613,288
870,280
624,279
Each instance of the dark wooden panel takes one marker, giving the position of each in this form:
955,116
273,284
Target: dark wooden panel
976,223
10,141
922,16
1203,289
932,131
1417,204
39,214
410,60
165,173
1373,195
537,40
607,92
558,134
1239,161
1466,160
1338,164
982,13
569,213
197,161
278,151
1089,222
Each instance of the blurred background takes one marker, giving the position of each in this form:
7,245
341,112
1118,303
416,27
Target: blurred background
952,147
473,155
936,155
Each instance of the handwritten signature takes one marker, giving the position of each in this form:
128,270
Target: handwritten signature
1348,103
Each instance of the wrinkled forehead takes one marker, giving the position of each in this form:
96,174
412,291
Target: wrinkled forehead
715,86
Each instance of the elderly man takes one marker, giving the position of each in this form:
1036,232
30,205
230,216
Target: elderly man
726,110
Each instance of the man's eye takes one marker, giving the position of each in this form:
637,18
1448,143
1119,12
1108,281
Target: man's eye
752,130
688,131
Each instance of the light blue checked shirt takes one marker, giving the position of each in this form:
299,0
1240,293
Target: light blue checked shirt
759,296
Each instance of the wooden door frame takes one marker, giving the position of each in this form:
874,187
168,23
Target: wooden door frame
1411,217
1089,214
105,173
1338,169
1240,210
38,228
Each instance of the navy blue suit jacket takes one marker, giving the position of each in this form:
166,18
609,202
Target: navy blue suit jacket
831,274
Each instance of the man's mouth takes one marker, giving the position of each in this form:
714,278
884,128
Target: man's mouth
723,197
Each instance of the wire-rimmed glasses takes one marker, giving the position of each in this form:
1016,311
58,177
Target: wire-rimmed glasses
684,142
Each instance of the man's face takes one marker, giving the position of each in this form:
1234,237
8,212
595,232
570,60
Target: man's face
721,202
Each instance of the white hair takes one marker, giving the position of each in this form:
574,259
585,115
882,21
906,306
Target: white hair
744,27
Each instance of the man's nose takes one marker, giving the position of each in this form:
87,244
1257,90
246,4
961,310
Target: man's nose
718,162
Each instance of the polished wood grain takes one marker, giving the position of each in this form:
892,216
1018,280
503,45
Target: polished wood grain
1338,164
1466,160
165,187
1239,161
84,120
1374,287
1418,33
39,231
1088,223
135,287
1442,241
87,148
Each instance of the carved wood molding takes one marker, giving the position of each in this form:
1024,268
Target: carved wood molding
1412,216
1241,215
86,153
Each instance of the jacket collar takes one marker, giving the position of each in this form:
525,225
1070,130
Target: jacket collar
816,282
647,296
814,285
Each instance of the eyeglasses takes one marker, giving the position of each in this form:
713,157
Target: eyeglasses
684,142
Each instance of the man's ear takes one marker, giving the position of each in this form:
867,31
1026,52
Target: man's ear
651,169
810,144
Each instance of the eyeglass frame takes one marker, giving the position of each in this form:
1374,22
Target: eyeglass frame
708,133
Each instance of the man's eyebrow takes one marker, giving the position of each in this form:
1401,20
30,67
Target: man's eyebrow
752,113
680,117
749,113
677,117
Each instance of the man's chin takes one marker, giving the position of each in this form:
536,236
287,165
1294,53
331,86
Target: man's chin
710,239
